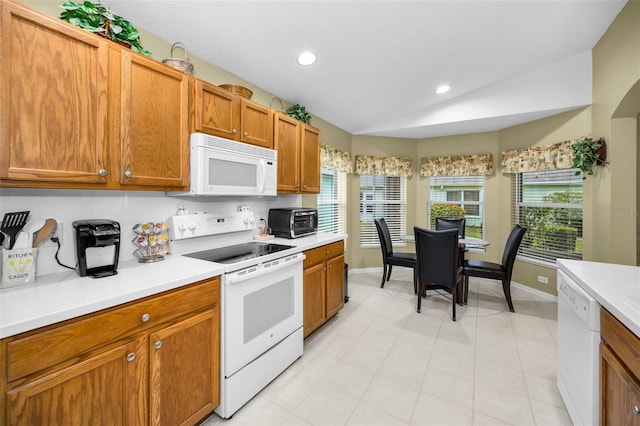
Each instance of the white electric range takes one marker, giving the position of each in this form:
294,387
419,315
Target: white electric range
261,315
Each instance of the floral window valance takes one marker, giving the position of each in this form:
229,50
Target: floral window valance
335,159
537,158
384,166
462,165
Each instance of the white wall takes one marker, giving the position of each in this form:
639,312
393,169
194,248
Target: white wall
128,208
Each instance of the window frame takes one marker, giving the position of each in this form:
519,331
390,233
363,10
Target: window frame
537,255
470,218
397,226
339,187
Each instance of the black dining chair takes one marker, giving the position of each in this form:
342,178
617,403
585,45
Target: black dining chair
437,263
459,224
497,271
389,258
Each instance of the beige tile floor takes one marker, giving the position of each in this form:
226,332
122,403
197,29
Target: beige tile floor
378,362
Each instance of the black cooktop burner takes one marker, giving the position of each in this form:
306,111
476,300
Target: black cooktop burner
238,253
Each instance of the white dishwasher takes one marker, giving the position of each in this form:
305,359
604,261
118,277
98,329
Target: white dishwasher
578,351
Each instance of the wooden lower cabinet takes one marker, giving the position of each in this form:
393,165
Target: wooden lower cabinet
105,389
323,292
165,372
314,297
335,285
185,382
619,373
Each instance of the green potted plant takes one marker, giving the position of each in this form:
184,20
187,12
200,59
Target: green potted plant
588,153
299,112
96,18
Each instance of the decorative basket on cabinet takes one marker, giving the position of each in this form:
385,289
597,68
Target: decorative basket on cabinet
182,64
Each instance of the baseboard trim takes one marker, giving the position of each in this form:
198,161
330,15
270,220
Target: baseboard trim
525,288
535,291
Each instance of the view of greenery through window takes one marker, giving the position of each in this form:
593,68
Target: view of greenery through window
457,197
549,205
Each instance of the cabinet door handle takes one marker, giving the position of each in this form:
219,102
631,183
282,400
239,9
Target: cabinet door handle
128,174
131,357
234,131
158,344
102,172
145,317
246,134
304,186
636,410
324,269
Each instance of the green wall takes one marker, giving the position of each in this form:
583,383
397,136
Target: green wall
610,210
616,105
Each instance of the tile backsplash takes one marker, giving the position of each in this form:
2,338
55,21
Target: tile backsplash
127,207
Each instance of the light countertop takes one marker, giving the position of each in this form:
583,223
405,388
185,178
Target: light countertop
59,297
615,287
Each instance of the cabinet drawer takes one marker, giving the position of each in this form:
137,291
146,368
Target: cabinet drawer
322,253
314,256
621,340
335,249
36,352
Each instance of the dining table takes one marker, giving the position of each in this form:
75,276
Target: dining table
467,242
464,244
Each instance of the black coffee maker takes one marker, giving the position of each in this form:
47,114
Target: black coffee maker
93,237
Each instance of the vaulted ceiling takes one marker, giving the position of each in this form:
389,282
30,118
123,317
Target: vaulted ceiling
380,62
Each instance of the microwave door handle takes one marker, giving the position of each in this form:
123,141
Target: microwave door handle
261,175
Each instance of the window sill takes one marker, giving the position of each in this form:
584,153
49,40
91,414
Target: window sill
537,262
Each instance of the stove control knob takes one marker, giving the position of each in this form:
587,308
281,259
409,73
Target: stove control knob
182,226
192,226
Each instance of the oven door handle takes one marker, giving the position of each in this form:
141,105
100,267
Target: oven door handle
238,277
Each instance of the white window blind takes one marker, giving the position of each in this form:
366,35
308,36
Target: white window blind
464,191
332,201
549,205
382,196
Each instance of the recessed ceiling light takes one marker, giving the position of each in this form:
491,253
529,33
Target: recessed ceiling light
442,89
306,58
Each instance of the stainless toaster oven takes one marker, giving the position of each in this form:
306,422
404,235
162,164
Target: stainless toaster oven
293,222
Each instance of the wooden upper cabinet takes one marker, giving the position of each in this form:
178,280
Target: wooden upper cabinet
310,159
298,147
215,111
53,99
218,112
287,143
153,123
256,124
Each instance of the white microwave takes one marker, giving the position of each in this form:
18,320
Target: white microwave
224,167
